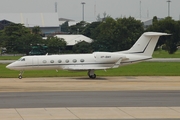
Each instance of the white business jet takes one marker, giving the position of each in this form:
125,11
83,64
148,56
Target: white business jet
140,51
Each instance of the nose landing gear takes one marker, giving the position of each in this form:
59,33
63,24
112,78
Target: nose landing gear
20,74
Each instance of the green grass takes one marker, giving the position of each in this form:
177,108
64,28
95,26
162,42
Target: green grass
140,69
9,57
165,54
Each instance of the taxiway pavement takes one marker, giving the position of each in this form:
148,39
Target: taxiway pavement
90,99
154,97
126,83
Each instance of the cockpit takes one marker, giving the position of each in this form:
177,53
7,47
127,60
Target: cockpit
21,59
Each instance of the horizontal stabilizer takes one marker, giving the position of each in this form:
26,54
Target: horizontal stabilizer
155,34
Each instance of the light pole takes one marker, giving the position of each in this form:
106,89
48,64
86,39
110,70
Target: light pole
140,10
169,1
83,10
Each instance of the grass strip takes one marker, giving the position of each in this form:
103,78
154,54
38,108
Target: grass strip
139,69
9,57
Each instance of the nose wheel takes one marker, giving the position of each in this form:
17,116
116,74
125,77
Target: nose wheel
20,74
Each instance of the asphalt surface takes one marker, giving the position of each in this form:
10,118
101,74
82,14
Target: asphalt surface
90,99
122,98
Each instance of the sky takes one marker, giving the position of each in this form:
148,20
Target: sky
72,9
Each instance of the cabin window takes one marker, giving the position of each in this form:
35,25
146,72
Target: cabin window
82,60
74,60
44,61
59,61
67,61
52,61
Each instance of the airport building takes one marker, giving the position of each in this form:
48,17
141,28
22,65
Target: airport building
147,22
73,39
48,22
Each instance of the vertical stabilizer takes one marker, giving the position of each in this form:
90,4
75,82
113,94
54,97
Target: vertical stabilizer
145,45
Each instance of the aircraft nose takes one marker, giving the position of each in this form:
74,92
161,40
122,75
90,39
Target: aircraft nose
9,66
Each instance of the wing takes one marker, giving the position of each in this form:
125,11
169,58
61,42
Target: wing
95,66
85,68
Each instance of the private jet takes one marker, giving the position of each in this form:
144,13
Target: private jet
140,51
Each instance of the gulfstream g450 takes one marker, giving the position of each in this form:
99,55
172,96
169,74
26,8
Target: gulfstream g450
140,51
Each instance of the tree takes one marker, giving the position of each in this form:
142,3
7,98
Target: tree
65,27
3,38
116,34
82,47
36,30
155,20
78,28
103,35
18,39
55,45
89,29
127,32
28,41
13,33
99,18
167,25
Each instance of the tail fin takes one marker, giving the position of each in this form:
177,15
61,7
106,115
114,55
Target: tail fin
145,45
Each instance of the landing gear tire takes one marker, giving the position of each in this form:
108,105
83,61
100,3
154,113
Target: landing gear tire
20,76
92,76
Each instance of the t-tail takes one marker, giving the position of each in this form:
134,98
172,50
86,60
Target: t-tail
145,45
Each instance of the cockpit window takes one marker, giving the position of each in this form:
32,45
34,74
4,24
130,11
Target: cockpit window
21,59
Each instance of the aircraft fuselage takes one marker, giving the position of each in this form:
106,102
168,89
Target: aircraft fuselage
97,60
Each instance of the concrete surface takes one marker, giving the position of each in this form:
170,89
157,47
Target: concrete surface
84,84
95,113
127,83
6,61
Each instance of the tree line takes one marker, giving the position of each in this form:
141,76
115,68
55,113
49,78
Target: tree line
121,33
17,38
108,35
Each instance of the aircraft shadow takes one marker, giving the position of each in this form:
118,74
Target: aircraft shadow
86,78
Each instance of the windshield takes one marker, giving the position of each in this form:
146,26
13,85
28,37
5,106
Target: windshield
21,59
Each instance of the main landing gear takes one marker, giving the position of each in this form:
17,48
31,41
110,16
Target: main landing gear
91,74
20,74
